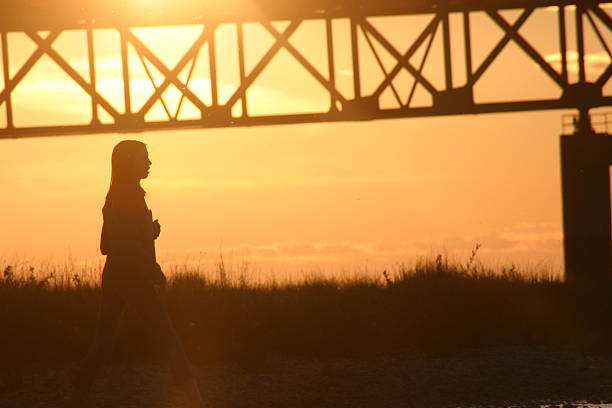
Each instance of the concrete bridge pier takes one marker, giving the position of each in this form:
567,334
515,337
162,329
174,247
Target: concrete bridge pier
586,157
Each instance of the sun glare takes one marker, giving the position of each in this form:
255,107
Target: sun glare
149,3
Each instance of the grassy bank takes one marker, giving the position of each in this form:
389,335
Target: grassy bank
433,308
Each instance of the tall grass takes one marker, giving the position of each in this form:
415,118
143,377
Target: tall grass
435,306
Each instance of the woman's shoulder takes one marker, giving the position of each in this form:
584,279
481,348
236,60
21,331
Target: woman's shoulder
124,199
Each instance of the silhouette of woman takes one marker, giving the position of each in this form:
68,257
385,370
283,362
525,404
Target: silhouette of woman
131,273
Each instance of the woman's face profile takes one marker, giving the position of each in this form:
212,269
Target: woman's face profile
141,164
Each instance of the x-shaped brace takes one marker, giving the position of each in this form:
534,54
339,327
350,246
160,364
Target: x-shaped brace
44,47
605,18
170,76
284,40
402,60
27,66
513,34
87,87
263,62
510,30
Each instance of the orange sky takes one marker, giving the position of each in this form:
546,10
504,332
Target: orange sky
312,197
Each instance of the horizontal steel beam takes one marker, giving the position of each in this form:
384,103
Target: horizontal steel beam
26,15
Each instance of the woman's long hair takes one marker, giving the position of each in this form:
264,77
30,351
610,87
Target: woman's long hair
122,167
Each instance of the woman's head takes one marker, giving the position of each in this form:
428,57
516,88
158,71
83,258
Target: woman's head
130,163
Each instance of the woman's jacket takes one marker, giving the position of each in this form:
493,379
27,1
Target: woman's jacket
128,239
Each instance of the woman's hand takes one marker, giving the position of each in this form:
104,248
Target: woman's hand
156,229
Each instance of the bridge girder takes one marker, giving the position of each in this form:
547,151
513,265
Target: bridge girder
72,14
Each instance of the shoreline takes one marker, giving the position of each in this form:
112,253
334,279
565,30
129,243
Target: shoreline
522,377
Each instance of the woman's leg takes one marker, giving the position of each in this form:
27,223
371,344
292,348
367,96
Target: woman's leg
151,307
109,316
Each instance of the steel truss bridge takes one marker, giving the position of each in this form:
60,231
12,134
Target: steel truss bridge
450,98
586,155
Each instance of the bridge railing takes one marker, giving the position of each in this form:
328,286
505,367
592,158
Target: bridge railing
601,122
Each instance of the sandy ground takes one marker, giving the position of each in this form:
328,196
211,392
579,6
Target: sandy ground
500,377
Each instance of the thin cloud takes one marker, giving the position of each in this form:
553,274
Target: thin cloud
554,9
524,237
198,184
572,7
334,252
513,243
593,62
